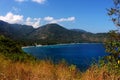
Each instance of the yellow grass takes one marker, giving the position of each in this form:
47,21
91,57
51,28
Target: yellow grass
46,70
95,73
42,70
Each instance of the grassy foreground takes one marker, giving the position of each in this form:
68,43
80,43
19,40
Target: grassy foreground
17,65
45,70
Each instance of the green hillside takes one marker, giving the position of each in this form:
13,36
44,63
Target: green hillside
48,34
12,50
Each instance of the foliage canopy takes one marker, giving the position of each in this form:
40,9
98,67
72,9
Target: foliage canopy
113,43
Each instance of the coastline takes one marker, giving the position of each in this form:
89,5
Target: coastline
39,45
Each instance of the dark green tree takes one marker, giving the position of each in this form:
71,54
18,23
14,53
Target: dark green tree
12,50
113,42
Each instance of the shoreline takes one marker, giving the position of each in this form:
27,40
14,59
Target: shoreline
39,45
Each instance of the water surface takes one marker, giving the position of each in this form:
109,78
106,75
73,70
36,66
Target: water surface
79,54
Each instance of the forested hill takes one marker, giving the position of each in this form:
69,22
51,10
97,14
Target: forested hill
12,50
48,34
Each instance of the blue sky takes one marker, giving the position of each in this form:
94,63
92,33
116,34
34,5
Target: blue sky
89,15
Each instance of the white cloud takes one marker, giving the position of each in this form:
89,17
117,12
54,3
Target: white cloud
20,1
35,22
66,19
52,20
36,1
71,19
11,18
39,1
48,18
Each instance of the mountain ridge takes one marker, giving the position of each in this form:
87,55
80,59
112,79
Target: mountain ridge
48,34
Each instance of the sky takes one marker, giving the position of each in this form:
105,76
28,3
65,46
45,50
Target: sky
89,15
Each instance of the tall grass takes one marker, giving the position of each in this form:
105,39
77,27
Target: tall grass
41,70
96,73
46,70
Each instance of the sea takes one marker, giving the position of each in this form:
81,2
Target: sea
83,55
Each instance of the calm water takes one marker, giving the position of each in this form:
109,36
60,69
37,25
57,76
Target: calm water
79,54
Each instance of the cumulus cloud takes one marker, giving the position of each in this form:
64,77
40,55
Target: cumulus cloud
67,19
39,1
52,20
11,18
35,22
48,18
71,18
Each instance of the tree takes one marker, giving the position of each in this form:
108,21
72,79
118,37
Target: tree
12,50
113,43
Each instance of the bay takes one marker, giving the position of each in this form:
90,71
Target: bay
82,55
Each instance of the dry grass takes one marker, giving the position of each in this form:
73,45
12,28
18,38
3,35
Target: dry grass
42,70
95,73
45,70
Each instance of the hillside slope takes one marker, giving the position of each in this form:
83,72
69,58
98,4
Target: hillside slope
48,34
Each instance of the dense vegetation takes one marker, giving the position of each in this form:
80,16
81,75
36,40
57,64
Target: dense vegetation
47,34
12,50
113,42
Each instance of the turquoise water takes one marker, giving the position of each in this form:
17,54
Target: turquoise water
81,55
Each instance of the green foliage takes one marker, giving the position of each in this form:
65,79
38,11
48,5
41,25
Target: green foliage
114,13
113,43
12,50
112,67
113,46
9,46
